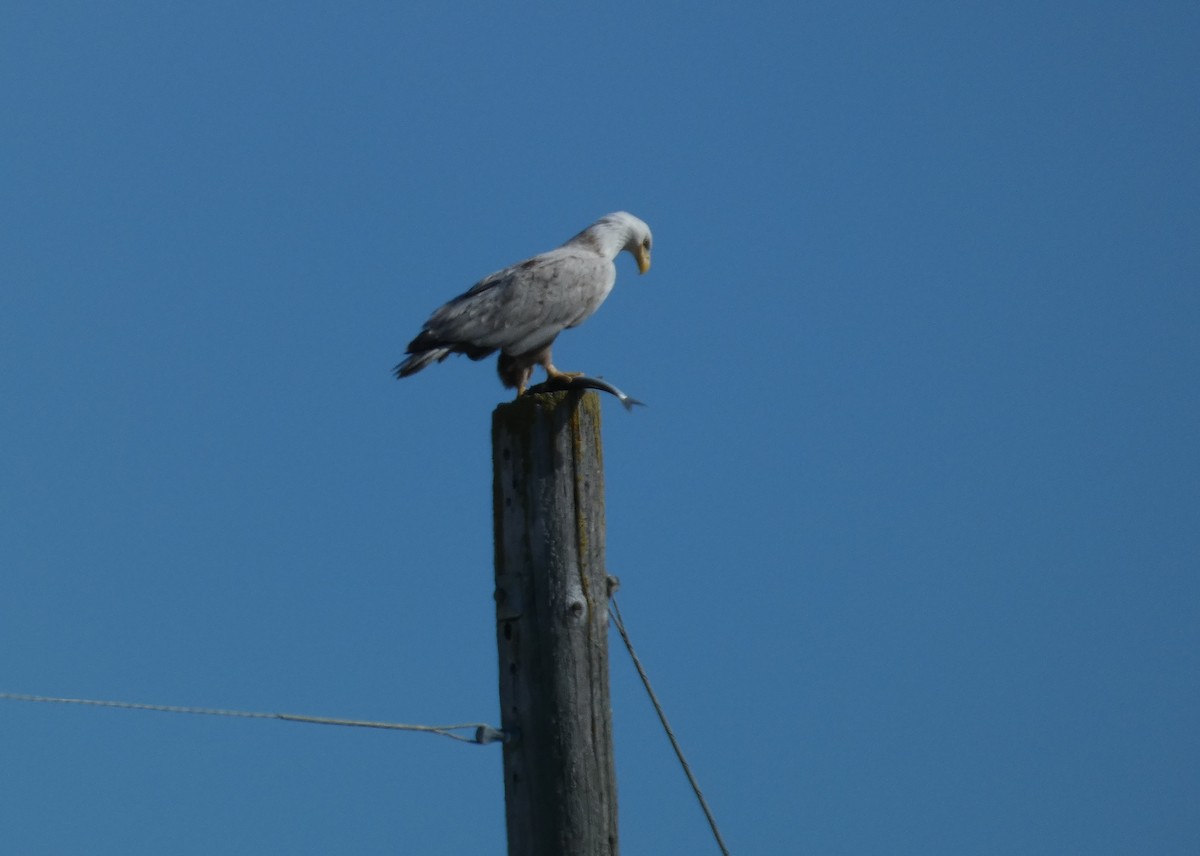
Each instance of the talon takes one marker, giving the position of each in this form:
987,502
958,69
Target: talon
555,374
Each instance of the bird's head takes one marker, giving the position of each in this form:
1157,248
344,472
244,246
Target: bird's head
615,232
638,240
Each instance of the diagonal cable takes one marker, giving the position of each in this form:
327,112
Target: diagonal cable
619,623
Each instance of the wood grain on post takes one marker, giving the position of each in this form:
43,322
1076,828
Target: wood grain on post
552,626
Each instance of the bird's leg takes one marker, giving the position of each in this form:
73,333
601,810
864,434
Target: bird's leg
555,374
523,380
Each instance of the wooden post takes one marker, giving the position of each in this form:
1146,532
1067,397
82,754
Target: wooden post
560,787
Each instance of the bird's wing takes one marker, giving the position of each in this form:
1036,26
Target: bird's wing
523,307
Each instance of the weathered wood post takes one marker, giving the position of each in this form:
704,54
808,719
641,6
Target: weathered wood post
560,787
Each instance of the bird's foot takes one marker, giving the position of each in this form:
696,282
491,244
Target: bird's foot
554,374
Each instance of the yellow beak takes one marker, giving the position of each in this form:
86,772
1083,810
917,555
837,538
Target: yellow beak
643,260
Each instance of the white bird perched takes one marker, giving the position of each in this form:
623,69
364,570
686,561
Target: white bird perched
520,310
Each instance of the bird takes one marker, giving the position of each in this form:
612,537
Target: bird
520,310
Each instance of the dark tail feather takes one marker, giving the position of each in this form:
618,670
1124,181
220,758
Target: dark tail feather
416,362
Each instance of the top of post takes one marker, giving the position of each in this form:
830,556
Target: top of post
532,406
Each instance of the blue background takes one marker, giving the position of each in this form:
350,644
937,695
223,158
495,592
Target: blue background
909,534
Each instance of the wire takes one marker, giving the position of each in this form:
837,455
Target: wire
484,733
619,623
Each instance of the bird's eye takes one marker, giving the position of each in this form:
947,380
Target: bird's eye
645,243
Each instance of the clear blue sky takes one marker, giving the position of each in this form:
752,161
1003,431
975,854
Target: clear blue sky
909,534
